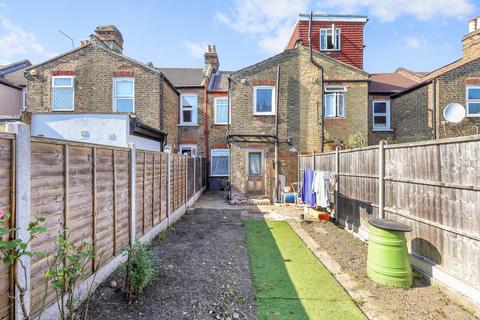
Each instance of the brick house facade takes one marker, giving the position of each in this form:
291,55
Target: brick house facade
418,111
94,66
200,132
252,135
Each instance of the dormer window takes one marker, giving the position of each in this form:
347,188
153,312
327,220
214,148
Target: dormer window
328,41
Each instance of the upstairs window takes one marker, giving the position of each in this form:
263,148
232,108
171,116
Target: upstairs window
219,162
473,101
188,109
264,100
63,93
328,41
381,115
124,95
335,102
221,111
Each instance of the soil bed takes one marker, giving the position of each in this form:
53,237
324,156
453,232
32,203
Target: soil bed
206,274
423,301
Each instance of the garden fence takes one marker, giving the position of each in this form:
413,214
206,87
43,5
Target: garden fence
433,186
108,196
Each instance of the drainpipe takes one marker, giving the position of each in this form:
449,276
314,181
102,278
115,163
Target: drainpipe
322,120
162,112
277,95
228,141
205,111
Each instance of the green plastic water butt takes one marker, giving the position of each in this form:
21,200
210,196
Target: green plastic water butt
388,262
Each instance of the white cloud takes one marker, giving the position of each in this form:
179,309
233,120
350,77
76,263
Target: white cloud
414,42
392,9
16,43
271,20
196,49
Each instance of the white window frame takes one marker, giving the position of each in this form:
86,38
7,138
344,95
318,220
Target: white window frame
471,101
211,162
73,93
192,147
387,126
194,110
115,97
215,100
339,42
260,113
336,91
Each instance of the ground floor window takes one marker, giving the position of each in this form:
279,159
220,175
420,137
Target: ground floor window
188,149
381,115
219,162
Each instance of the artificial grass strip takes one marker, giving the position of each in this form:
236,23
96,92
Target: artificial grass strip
290,283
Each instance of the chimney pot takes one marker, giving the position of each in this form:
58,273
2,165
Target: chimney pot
111,36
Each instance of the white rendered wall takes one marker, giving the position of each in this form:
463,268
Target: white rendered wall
108,129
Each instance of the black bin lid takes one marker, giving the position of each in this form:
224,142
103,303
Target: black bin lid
389,225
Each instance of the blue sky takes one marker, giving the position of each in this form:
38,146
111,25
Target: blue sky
421,35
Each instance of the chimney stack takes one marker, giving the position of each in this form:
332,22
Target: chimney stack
111,36
211,60
471,41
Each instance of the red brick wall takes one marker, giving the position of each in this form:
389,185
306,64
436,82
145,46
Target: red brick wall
351,43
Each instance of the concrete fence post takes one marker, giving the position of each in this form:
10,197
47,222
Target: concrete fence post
381,180
133,191
186,181
22,211
169,189
337,182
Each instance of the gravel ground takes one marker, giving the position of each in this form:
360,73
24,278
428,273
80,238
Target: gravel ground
206,274
423,301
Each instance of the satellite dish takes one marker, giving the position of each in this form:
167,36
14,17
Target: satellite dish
454,112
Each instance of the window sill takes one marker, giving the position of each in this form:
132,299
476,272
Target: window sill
263,114
63,110
335,118
187,125
472,115
220,124
218,176
382,130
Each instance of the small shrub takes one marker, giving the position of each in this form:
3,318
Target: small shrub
67,270
12,250
357,140
139,270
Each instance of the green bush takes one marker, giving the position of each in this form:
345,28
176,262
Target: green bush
139,270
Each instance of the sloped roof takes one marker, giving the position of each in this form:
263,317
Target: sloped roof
184,77
219,81
14,72
388,83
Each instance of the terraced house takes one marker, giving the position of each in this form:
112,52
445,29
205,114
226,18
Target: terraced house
312,97
94,93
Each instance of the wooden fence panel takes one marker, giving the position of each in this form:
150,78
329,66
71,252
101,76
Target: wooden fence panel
122,199
140,161
164,187
435,189
104,206
191,177
46,199
157,166
7,189
148,192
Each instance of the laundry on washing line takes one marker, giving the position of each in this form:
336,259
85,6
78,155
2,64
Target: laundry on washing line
321,180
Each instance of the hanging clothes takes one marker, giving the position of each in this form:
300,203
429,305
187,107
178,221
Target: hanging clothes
321,179
307,195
